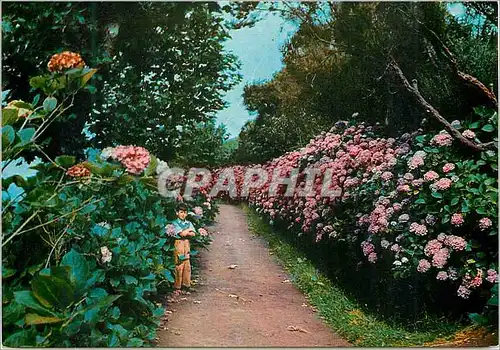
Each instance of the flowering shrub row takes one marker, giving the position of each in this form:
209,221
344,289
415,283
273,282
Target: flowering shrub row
416,202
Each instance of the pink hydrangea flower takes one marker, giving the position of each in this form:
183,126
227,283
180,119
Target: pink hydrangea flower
396,248
170,230
457,219
403,188
455,242
198,211
432,247
441,237
423,266
448,167
442,184
440,258
415,162
463,292
367,247
418,229
469,134
442,139
492,276
134,158
442,276
431,176
485,223
203,232
372,257
386,176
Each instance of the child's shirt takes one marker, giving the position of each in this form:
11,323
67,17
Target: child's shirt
180,226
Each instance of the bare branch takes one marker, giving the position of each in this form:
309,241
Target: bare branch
433,113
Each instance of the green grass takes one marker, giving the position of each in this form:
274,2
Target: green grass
339,311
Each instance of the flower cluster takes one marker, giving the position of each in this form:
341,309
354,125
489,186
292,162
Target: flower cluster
134,158
79,170
65,60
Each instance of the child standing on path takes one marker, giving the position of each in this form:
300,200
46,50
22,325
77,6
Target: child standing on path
182,228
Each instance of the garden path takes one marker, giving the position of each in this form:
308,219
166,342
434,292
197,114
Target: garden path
252,304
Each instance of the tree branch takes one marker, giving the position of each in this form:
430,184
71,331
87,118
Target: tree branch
432,112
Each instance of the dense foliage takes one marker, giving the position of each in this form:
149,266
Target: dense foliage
413,206
162,71
84,246
337,65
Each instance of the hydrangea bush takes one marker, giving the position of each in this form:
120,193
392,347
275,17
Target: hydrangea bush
84,245
419,203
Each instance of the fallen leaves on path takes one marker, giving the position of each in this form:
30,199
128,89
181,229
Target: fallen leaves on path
285,281
196,301
232,267
296,329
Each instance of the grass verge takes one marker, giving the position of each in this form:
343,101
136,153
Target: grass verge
343,314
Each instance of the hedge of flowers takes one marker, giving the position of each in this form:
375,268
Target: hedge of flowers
419,202
85,248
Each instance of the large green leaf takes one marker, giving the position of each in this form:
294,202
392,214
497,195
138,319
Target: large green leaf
26,299
9,116
32,319
8,136
80,270
26,135
49,104
54,289
12,313
6,272
23,338
86,77
65,161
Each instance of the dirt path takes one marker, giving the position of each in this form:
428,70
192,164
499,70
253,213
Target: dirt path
252,305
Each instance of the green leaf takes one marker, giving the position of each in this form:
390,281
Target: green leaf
32,319
26,135
8,136
488,128
54,289
38,82
151,169
12,313
474,125
454,201
113,341
6,272
26,299
420,201
478,319
65,161
49,104
493,301
87,76
168,276
115,313
130,279
436,195
481,210
135,343
21,339
80,270
36,100
9,116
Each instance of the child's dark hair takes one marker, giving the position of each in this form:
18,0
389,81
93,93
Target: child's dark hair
181,206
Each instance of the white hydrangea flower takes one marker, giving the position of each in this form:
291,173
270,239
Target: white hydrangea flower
107,152
106,255
161,167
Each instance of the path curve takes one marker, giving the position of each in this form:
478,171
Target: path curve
252,305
